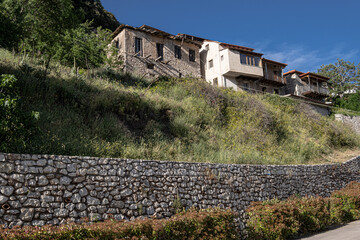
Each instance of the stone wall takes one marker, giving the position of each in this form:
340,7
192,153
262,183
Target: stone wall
146,64
352,121
44,189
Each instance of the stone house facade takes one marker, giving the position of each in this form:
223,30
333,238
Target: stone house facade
149,52
310,88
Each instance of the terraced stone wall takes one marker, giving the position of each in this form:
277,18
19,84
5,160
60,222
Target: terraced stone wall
44,189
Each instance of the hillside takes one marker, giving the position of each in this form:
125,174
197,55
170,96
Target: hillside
106,113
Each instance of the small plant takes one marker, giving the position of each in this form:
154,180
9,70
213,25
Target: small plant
177,205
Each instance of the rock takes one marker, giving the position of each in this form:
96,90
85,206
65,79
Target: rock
46,198
7,167
3,199
26,214
31,202
65,181
42,181
80,206
117,204
38,223
126,192
61,212
83,192
49,169
7,191
18,177
92,201
76,198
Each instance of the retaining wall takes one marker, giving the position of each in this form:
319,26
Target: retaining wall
352,121
44,189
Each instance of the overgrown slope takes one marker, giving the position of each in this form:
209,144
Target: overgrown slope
111,114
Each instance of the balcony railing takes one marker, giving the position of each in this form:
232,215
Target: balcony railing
314,89
275,78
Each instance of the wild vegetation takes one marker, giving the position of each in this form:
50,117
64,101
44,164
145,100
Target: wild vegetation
104,112
275,219
192,224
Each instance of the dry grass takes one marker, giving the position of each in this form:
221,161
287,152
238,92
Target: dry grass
338,156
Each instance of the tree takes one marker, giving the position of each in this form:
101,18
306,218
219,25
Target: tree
16,126
83,47
343,75
42,24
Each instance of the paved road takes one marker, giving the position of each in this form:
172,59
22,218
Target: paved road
350,231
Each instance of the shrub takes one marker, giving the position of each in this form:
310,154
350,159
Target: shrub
275,219
192,224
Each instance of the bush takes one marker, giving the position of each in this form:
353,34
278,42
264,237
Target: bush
275,219
192,224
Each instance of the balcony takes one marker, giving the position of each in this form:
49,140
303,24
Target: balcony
313,91
232,67
273,79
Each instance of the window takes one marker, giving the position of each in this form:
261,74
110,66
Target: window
215,82
249,60
257,61
211,63
160,51
117,44
222,57
177,52
138,46
246,86
242,58
191,55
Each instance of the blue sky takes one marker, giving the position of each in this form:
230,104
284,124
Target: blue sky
302,33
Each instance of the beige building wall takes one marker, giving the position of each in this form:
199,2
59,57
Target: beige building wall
146,64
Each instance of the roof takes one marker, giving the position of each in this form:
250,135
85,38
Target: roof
240,48
154,31
314,75
274,62
293,71
191,37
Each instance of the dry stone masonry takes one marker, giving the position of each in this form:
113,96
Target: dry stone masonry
43,189
352,121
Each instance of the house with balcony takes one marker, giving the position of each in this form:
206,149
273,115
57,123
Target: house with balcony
310,88
240,68
149,52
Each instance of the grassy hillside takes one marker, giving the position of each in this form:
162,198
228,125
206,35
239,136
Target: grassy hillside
106,113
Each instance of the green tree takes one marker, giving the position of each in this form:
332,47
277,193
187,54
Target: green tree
84,47
16,126
343,75
42,24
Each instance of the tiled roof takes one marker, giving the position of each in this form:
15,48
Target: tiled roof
274,62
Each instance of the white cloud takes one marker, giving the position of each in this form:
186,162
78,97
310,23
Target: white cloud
300,57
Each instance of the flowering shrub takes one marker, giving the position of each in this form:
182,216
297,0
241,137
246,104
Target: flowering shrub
275,219
192,224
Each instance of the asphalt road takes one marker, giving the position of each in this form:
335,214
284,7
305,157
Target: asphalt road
350,231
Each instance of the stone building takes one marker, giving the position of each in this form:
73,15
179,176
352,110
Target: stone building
150,52
240,68
310,88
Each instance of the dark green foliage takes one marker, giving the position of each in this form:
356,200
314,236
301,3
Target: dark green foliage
350,101
16,126
274,219
93,11
83,47
194,224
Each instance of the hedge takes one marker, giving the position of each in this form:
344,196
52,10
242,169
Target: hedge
275,219
194,224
